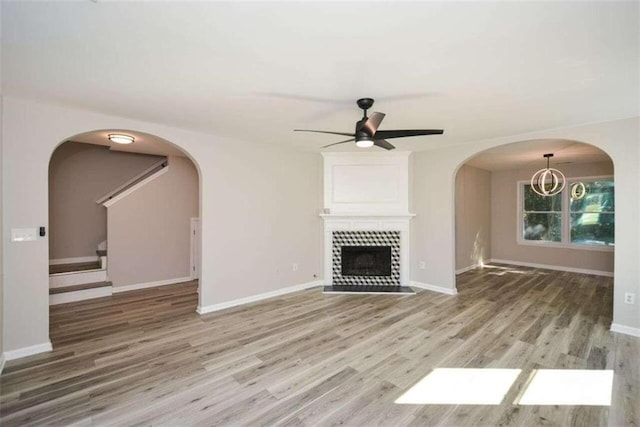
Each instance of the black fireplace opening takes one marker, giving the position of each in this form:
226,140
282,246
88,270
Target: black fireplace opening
366,260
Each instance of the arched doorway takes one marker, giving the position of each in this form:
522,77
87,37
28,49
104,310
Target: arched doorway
500,221
131,207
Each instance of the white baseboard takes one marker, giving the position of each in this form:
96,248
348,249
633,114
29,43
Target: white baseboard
28,351
627,330
73,260
81,295
434,288
465,269
136,286
2,360
254,298
552,267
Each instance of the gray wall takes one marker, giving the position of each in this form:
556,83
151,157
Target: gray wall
473,216
79,174
258,211
265,218
1,211
1,238
149,230
504,222
257,196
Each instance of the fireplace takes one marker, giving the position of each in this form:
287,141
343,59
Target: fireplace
366,205
366,260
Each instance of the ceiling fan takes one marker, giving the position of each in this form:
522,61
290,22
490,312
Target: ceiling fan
367,133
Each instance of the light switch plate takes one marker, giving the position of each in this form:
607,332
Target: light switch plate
24,234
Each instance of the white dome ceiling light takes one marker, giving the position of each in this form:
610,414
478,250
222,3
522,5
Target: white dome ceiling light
121,138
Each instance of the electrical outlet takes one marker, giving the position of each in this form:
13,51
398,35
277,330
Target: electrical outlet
629,298
294,267
423,265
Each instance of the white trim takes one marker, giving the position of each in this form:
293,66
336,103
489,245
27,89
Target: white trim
259,297
136,286
80,295
622,329
132,180
552,267
2,360
28,351
468,268
73,260
383,215
135,187
435,288
60,280
560,245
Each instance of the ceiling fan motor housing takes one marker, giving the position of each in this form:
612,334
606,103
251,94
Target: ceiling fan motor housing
365,103
361,135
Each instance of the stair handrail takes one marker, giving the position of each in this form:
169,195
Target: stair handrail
131,182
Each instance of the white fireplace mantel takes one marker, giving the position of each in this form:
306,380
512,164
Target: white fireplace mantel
367,215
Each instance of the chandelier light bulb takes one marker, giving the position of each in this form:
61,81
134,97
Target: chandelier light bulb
578,191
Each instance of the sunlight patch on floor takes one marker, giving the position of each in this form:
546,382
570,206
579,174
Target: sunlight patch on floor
502,270
568,387
458,386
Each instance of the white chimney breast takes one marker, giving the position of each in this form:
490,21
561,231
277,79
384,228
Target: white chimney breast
367,183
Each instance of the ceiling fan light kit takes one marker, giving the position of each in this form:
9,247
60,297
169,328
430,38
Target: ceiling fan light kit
364,142
367,134
548,181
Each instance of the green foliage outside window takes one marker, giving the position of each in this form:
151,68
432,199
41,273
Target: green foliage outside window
542,216
590,219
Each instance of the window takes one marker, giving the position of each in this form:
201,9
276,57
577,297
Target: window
577,218
542,216
592,217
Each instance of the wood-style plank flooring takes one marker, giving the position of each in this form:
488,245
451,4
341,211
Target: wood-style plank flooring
146,358
78,266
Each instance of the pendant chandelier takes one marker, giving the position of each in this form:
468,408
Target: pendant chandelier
548,181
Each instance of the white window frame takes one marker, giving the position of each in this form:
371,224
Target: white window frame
565,242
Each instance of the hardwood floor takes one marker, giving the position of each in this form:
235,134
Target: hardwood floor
146,358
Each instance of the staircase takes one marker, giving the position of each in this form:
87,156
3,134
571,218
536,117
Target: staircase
79,281
88,280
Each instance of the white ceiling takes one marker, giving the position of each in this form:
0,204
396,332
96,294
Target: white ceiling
255,71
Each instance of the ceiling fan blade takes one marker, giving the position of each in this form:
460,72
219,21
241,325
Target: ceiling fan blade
325,131
341,142
387,134
383,144
372,123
